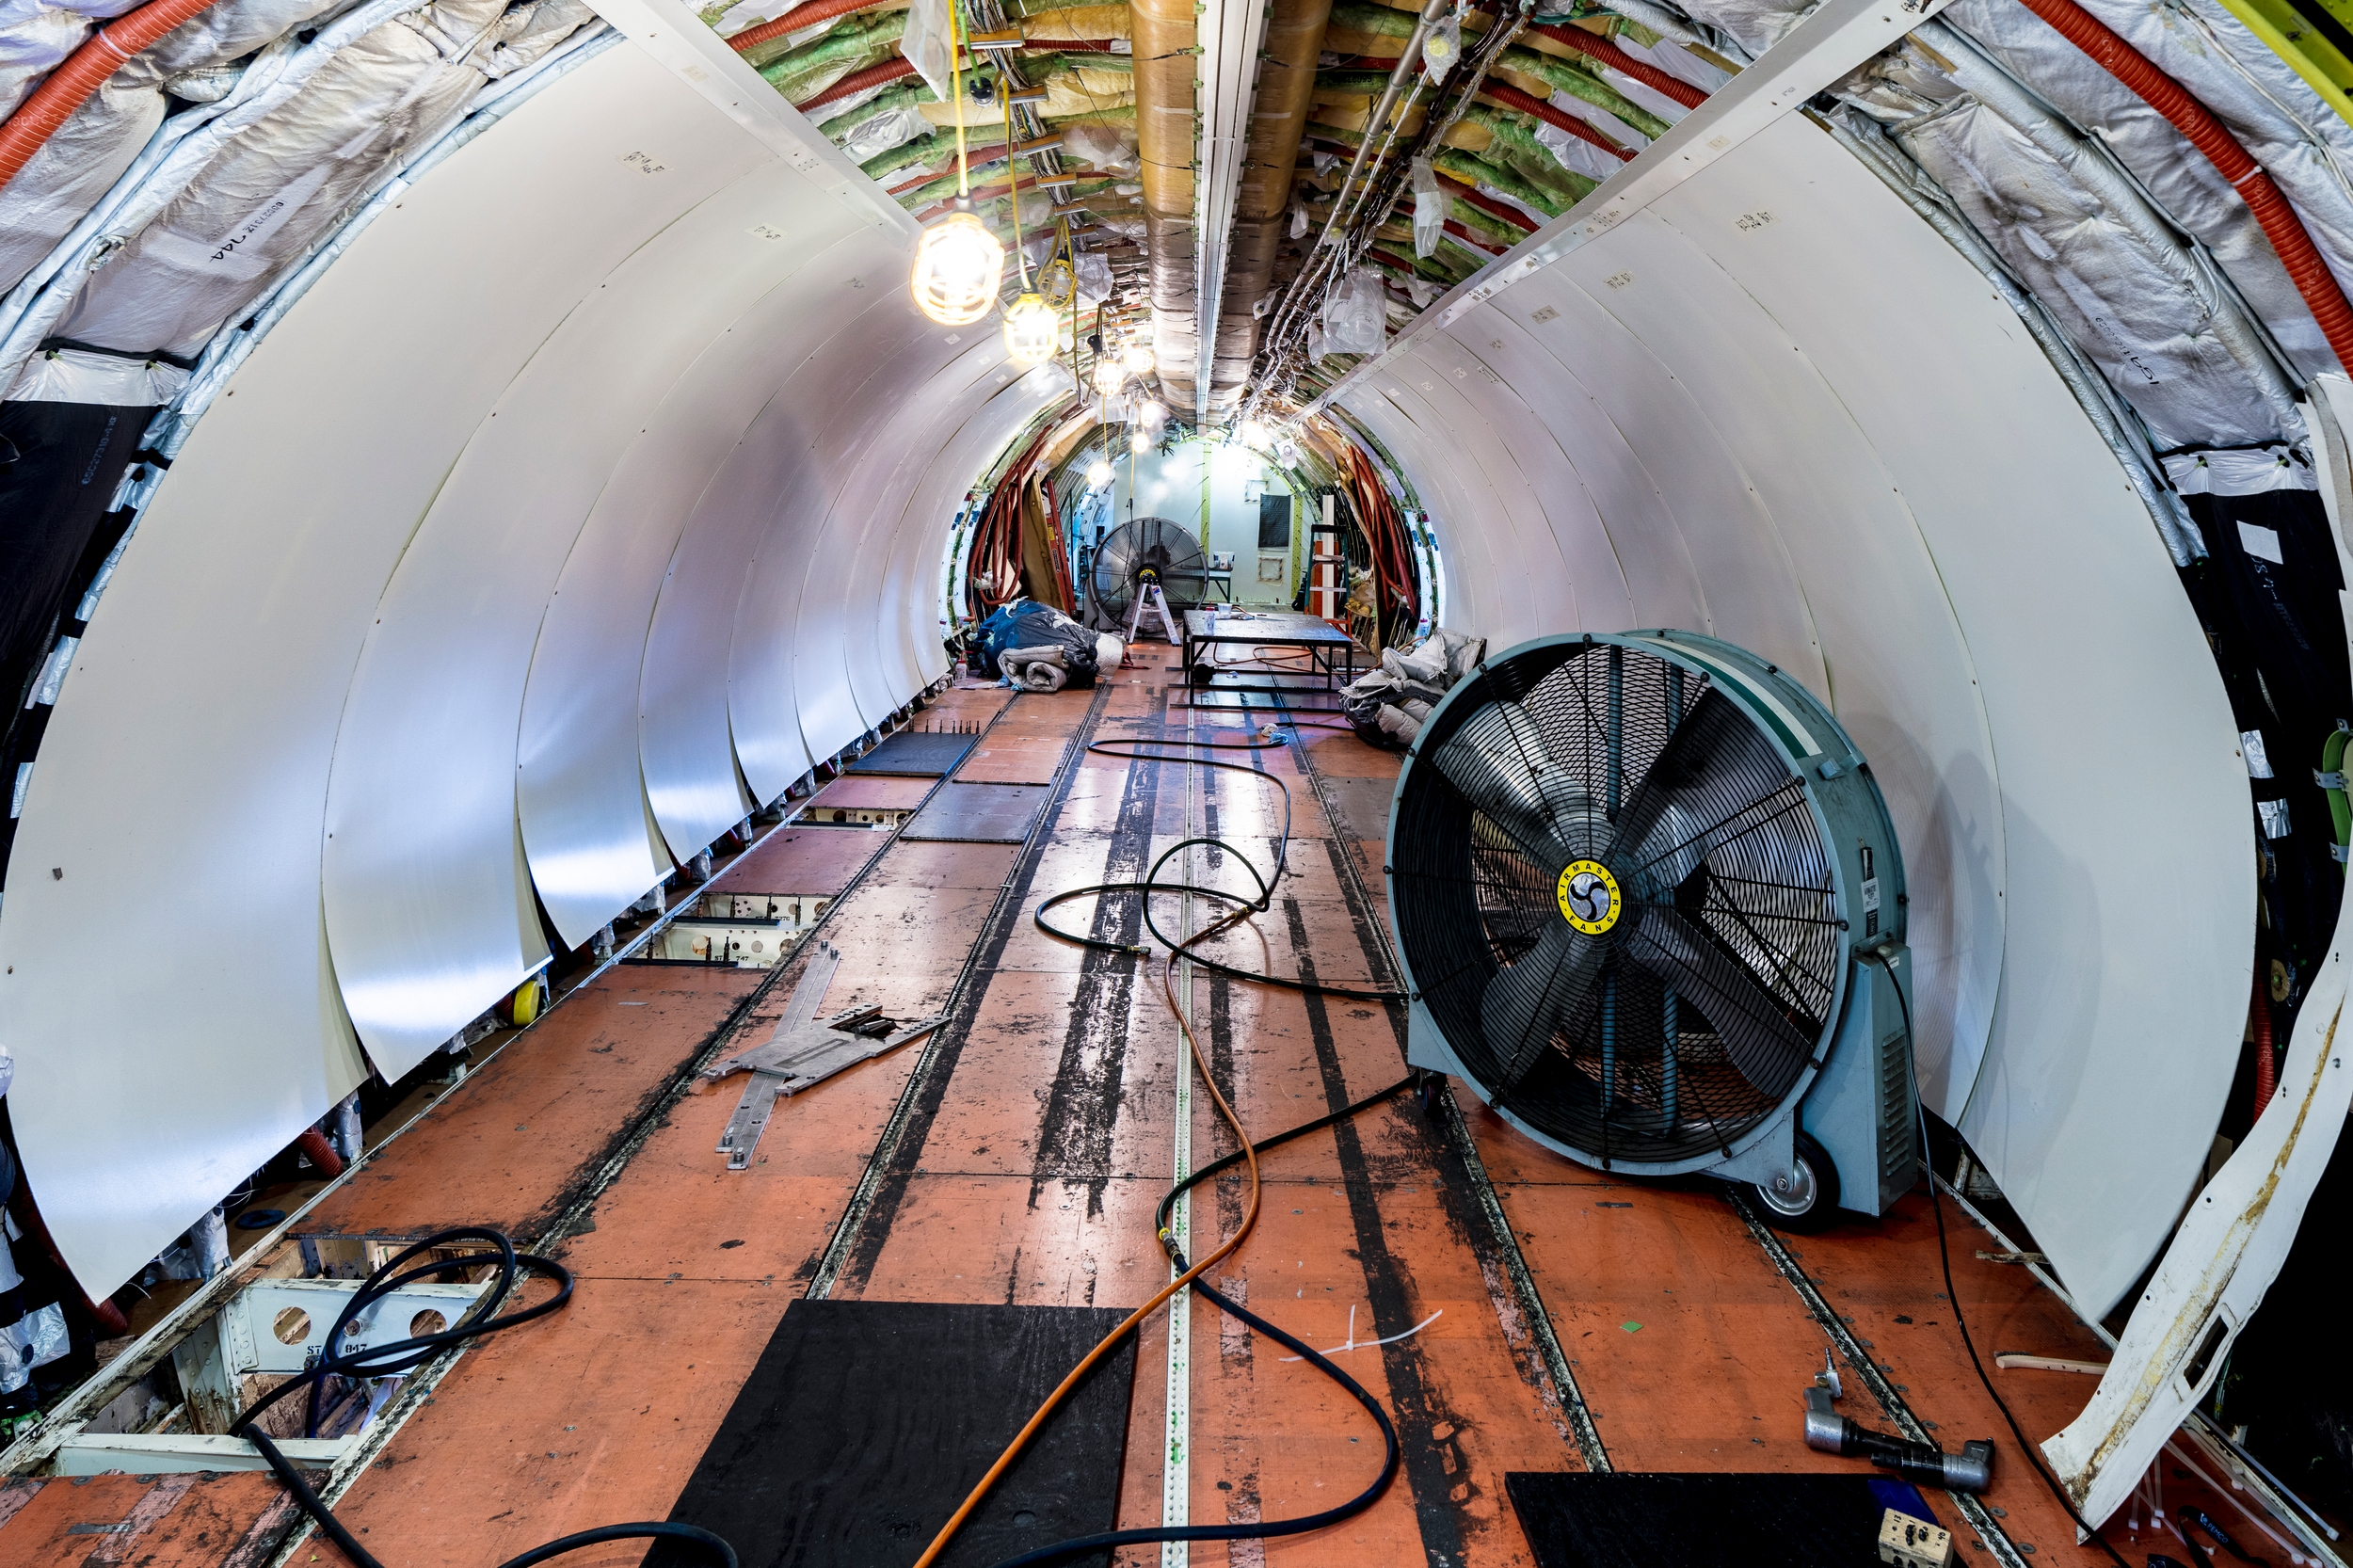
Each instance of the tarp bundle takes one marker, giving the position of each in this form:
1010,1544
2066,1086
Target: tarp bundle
1386,706
1037,646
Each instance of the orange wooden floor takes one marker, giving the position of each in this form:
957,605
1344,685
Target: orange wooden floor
1025,1169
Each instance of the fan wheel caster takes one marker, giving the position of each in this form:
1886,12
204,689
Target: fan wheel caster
1806,1200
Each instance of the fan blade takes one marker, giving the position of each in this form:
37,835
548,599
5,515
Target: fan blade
1714,742
1499,760
1525,1005
1759,1039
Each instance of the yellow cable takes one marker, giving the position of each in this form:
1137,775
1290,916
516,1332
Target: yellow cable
955,76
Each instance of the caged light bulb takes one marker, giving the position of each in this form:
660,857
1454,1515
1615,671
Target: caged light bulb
1137,357
1153,414
1139,443
1099,473
958,267
1254,433
1109,377
1030,331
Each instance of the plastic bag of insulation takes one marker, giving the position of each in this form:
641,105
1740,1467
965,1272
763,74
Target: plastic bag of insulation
1108,148
926,44
878,133
1429,208
1355,317
1441,47
1094,269
1316,347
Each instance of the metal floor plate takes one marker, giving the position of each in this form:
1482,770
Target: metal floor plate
978,814
925,755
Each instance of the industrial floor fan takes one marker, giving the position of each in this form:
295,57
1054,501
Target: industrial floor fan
1145,551
1651,908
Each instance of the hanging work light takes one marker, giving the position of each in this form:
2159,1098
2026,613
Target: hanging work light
1099,473
1139,443
1137,357
958,267
958,263
1030,331
1110,376
1254,433
1152,414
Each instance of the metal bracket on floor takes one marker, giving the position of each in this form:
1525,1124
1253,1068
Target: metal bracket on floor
804,1052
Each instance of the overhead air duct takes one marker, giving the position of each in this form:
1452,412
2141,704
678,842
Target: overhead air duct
1287,83
1164,36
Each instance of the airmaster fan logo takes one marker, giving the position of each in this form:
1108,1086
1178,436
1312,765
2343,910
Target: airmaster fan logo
1589,897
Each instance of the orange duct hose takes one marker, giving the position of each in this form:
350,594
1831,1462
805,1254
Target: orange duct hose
84,72
1512,98
1617,59
857,81
320,1152
807,15
2280,225
2267,1069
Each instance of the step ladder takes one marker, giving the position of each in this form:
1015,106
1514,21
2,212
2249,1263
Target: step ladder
1151,602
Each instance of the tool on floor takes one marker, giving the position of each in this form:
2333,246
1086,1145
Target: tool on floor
1913,1542
1970,1471
804,1052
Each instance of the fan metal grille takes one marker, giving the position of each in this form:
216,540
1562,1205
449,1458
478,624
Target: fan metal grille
1690,1019
1166,548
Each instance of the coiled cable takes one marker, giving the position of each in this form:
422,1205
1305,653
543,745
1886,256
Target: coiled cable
402,1356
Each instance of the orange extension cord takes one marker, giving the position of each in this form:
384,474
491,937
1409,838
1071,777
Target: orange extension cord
1250,1156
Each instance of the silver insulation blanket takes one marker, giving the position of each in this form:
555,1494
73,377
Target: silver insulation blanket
36,38
66,178
2282,123
2128,305
2175,174
286,179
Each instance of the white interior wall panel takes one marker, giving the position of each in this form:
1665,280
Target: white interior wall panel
855,387
863,527
425,917
1995,620
226,643
1869,582
963,451
581,795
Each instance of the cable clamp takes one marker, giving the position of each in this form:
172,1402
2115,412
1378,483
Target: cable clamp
2329,780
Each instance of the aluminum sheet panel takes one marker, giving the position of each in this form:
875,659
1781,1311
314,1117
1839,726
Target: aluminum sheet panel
772,498
226,643
580,789
427,920
2118,1005
688,748
789,671
1736,333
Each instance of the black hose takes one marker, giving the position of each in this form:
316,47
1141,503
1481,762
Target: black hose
1151,886
1952,1296
401,1355
1266,1529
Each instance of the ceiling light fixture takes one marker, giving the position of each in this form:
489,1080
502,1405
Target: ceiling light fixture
958,263
1031,328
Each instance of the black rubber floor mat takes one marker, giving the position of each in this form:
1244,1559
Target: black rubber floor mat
978,813
1706,1521
924,754
1361,805
865,1423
